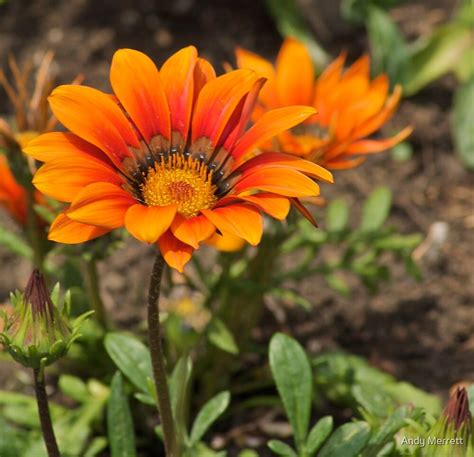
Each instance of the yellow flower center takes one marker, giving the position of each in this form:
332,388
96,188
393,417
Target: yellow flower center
180,181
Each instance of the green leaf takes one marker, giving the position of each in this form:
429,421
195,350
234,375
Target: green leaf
357,10
96,447
131,357
463,122
319,434
348,440
219,335
376,209
337,216
208,415
74,387
438,55
292,374
338,283
281,448
119,421
388,48
397,242
402,152
290,22
388,429
15,244
179,392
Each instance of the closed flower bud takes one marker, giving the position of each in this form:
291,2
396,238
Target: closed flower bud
38,332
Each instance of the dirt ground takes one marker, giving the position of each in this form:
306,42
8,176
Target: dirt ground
420,332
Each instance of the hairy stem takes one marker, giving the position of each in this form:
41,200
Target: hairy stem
158,359
91,280
44,415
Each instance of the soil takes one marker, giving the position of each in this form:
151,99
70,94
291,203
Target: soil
420,332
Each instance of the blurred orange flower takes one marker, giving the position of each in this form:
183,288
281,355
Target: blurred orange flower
32,117
350,106
160,156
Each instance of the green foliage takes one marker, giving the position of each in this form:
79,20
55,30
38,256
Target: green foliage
360,250
319,434
349,380
208,414
220,336
357,10
132,358
292,373
348,440
290,22
463,122
119,421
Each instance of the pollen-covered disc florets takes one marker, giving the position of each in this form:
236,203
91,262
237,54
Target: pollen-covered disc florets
182,181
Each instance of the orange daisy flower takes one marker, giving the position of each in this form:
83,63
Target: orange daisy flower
350,106
159,157
12,194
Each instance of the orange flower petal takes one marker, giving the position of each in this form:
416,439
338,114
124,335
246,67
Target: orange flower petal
176,253
62,179
247,59
375,122
239,219
344,164
203,73
12,195
93,116
193,230
60,145
177,74
226,242
281,181
66,231
279,160
270,124
274,205
242,116
102,204
148,223
304,211
137,84
294,74
373,146
217,102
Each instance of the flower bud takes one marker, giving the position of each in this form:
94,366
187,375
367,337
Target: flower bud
37,333
451,435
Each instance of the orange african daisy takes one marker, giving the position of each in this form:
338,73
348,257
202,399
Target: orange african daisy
12,195
350,106
159,157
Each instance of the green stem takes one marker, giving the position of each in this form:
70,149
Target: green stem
158,359
44,414
91,280
34,231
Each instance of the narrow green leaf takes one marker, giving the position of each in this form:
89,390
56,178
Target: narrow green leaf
74,387
388,48
179,392
338,283
14,243
438,55
131,357
290,22
463,122
292,374
397,242
281,448
348,440
96,447
208,415
119,421
337,215
319,434
220,336
376,209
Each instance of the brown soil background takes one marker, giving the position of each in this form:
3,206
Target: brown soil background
420,332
